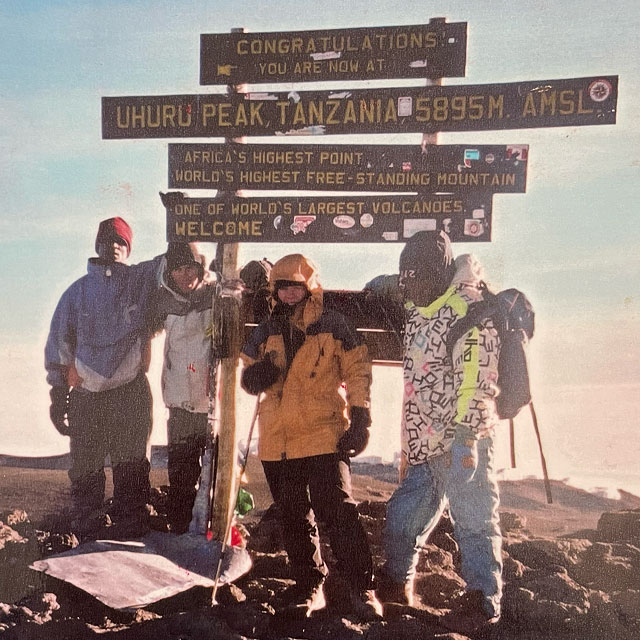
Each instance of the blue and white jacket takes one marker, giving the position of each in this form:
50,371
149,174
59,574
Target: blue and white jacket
100,329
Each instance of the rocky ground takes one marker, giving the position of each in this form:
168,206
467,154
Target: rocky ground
582,585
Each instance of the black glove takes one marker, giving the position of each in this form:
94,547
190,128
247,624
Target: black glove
260,376
59,409
356,438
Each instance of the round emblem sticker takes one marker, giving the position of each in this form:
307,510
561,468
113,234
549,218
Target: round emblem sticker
600,90
344,222
366,220
489,158
473,228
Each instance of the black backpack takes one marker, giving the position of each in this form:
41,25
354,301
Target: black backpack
514,319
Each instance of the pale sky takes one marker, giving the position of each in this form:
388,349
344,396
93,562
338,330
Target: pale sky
571,242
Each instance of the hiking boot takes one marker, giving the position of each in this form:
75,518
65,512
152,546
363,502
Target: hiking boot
468,614
133,525
300,600
159,523
90,526
364,605
388,590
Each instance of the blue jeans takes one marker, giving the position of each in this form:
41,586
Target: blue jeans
416,506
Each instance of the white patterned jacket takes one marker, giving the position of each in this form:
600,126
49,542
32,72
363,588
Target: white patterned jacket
441,393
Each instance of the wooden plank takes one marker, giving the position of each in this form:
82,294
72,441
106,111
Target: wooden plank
568,102
367,167
364,53
226,484
466,217
379,320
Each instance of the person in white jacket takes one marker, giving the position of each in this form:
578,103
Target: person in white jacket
183,309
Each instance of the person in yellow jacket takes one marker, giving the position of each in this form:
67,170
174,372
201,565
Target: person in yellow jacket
301,356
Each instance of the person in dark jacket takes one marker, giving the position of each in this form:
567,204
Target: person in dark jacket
96,358
300,356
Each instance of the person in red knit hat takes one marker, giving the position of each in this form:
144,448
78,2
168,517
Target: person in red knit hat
96,358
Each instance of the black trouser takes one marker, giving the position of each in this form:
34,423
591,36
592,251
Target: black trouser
187,440
115,423
304,488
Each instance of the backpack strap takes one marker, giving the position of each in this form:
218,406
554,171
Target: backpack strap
477,314
512,449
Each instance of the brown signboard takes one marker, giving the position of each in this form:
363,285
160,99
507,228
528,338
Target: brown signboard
379,319
392,218
414,51
517,105
389,168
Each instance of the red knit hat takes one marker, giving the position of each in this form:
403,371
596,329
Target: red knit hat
114,228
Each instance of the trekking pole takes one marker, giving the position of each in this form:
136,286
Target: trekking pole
545,475
213,475
230,519
254,419
512,443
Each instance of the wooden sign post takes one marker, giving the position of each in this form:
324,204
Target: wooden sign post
226,485
439,192
224,498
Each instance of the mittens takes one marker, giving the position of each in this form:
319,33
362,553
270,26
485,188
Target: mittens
59,409
355,439
260,376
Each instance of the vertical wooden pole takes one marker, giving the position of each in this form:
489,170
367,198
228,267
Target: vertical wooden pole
432,138
226,485
225,488
428,139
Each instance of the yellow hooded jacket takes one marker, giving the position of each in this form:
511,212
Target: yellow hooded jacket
303,413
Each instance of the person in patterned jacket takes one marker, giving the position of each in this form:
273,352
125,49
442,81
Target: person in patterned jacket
448,420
